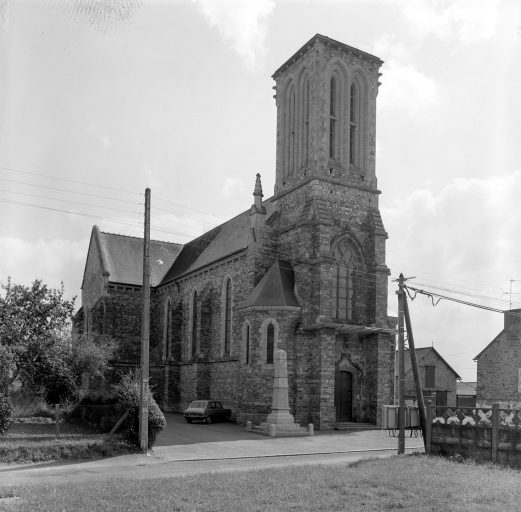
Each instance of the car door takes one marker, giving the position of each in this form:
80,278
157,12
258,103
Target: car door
219,410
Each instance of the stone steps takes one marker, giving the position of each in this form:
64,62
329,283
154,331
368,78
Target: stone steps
351,425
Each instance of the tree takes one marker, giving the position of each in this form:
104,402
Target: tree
38,347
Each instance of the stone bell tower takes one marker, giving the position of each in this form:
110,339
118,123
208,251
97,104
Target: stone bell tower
329,226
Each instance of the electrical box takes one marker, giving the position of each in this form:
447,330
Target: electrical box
390,417
412,417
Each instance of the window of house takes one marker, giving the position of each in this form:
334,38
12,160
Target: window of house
430,376
270,343
343,282
227,316
194,324
353,114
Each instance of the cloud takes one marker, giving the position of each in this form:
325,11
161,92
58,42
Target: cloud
466,21
52,261
100,134
232,187
404,88
243,23
465,238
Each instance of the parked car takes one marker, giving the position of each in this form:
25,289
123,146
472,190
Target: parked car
207,410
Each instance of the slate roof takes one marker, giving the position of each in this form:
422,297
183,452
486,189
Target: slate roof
420,354
220,242
123,257
276,288
466,388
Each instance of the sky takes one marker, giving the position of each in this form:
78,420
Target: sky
101,99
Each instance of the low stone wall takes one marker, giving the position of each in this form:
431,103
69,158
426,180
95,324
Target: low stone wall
485,434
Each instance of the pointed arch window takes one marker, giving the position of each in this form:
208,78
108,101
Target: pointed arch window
344,280
353,124
194,324
247,343
167,335
306,121
292,134
333,107
227,316
270,343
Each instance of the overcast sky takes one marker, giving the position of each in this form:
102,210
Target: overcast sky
177,96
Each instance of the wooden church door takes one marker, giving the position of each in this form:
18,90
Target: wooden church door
344,396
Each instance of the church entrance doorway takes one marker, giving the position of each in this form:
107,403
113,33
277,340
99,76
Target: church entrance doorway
344,396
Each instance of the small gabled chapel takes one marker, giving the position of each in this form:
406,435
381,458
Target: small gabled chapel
303,270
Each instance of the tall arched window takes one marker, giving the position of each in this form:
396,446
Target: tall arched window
306,122
247,341
194,324
345,271
228,316
353,124
167,334
292,134
332,116
270,343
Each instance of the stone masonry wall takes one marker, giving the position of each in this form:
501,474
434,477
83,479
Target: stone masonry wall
498,369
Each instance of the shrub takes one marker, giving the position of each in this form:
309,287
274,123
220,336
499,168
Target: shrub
6,409
127,392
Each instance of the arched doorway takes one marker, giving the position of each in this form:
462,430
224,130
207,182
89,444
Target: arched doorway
344,396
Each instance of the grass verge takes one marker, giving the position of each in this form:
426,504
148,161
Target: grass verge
25,452
416,483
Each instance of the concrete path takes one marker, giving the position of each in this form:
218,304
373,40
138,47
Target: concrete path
216,447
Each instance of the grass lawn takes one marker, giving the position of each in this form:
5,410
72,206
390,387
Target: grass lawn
29,451
417,483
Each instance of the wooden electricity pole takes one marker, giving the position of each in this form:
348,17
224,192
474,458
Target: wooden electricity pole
145,333
401,367
414,365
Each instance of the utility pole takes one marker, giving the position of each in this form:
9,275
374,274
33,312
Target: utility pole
414,365
401,367
145,332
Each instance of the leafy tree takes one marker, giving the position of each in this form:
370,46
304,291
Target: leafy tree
38,347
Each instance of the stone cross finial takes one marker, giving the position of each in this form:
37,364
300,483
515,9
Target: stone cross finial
257,193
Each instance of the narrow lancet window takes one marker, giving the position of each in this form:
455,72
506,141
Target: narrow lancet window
306,122
194,325
292,144
247,344
270,343
352,125
228,317
332,117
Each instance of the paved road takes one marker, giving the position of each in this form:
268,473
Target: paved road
184,449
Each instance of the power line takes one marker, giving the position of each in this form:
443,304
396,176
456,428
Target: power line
70,181
433,294
188,208
69,191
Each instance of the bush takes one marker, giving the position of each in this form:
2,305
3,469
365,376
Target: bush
127,393
6,409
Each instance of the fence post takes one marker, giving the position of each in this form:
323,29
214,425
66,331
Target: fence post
428,427
57,419
495,431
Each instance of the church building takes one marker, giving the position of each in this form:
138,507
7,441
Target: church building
303,270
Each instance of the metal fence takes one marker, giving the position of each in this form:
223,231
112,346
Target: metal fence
78,420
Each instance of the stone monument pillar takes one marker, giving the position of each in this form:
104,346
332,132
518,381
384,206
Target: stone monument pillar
280,415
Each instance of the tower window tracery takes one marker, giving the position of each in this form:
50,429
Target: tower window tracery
345,276
353,124
332,116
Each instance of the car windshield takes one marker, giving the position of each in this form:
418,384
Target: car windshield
197,405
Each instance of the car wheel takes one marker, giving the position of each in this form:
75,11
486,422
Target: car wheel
208,420
188,420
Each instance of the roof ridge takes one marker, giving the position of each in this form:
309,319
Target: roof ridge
139,238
